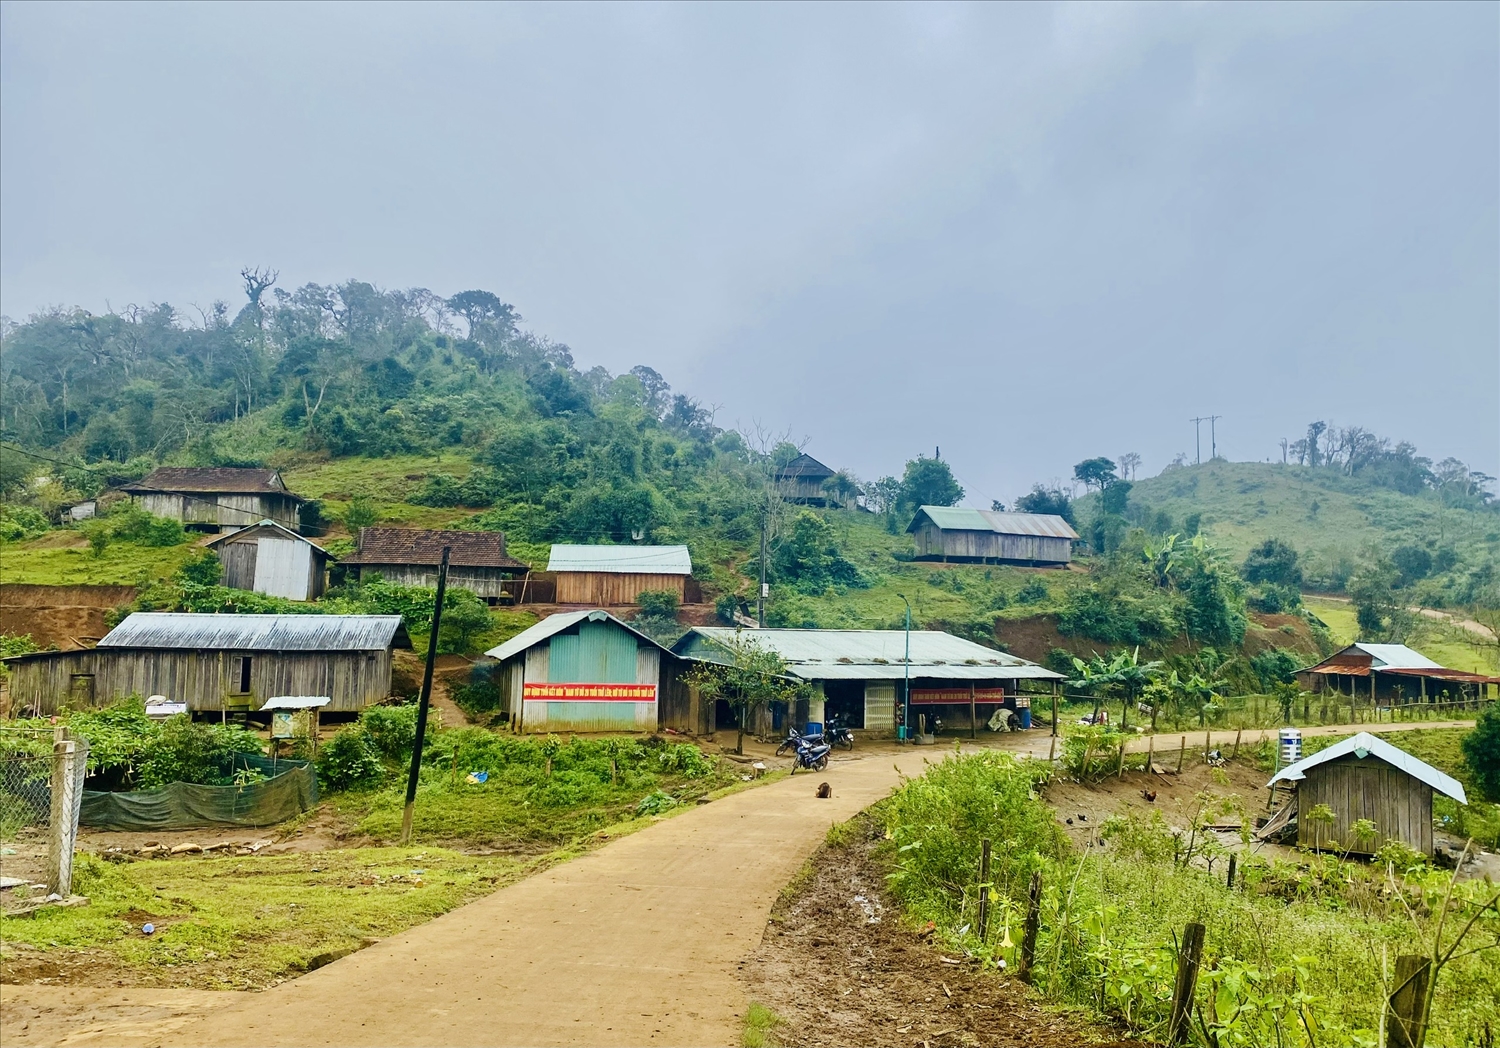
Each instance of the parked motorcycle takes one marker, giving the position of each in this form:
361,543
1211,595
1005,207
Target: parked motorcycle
838,735
812,753
793,736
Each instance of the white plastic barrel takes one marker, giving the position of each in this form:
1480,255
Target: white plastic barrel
1291,746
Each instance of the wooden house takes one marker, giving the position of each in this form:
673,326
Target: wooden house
217,499
268,558
586,671
801,480
860,677
1391,674
217,662
477,560
612,576
980,536
1365,777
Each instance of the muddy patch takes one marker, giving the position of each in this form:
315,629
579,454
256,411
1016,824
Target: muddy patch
838,967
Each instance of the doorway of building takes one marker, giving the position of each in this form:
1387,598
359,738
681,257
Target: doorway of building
844,701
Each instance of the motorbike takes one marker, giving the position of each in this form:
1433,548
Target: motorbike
812,753
838,735
793,737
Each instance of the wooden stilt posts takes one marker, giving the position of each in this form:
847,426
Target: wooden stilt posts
1181,749
416,750
1406,1025
973,717
981,925
1033,923
1188,957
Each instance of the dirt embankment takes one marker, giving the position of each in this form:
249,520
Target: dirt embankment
838,967
66,617
1033,638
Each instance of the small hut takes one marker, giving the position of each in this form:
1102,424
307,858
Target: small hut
217,498
801,480
1365,777
274,560
981,536
612,576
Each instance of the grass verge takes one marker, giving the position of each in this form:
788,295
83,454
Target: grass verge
760,1027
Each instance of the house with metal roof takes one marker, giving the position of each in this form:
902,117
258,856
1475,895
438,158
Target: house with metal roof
981,536
864,678
801,480
477,560
271,559
1388,674
216,498
612,576
582,671
217,662
1365,778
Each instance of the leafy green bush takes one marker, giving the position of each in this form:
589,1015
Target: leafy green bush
1034,592
21,522
350,761
657,604
655,803
392,729
476,699
1482,752
182,751
441,489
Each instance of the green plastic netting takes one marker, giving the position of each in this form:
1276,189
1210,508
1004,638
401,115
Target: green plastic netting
291,790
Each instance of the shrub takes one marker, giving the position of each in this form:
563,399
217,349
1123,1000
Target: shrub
476,699
657,604
392,729
441,489
1482,752
350,761
1034,592
182,751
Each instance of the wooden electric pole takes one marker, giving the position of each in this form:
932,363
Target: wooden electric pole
416,750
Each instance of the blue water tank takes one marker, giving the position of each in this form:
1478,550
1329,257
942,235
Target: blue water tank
814,728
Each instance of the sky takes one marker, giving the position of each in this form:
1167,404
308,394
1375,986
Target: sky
1027,234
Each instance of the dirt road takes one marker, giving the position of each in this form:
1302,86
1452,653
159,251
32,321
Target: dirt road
637,943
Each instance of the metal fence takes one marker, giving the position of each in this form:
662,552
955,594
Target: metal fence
25,780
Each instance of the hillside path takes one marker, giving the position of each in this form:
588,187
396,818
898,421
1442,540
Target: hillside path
637,943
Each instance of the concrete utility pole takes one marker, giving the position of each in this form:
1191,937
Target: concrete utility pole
760,615
1197,439
1213,439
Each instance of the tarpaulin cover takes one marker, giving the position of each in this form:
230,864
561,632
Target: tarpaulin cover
292,790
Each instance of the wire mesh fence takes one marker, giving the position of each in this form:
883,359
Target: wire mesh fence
25,780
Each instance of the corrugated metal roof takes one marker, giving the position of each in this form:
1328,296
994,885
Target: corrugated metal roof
225,479
623,560
954,518
296,702
879,654
186,630
531,636
804,466
1375,746
267,523
1397,656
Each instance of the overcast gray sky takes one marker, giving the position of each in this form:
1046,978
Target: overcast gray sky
1027,233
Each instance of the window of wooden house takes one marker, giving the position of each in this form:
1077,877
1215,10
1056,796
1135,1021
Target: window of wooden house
239,675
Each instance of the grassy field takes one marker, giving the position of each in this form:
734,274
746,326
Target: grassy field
1323,516
47,561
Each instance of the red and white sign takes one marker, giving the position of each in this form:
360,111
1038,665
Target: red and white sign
579,692
946,696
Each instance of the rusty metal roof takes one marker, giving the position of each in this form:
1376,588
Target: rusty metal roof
200,632
224,480
623,560
953,518
421,546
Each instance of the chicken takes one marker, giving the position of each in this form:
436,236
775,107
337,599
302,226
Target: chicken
1150,796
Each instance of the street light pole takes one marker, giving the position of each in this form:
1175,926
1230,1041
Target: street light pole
906,669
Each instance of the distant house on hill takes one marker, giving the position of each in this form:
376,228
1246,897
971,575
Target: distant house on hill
268,558
477,560
1391,674
981,536
615,575
801,481
1366,778
217,662
217,499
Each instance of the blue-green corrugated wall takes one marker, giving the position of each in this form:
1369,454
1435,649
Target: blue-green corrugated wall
599,653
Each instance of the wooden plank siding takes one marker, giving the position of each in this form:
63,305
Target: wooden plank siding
611,589
1399,805
934,542
489,583
221,509
202,679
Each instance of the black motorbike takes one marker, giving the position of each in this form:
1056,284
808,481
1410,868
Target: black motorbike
812,753
838,735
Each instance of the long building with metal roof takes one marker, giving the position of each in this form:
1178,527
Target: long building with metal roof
610,576
950,533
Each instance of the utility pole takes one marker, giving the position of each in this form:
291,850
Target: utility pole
1213,439
416,750
1197,440
760,615
906,667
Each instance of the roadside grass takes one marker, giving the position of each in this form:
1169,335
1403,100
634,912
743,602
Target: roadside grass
1338,615
42,562
246,922
760,1027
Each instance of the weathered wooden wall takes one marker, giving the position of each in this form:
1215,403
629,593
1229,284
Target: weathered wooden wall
611,589
202,679
223,510
1399,806
484,582
932,541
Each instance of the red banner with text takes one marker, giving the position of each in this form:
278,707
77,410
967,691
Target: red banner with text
578,692
935,696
